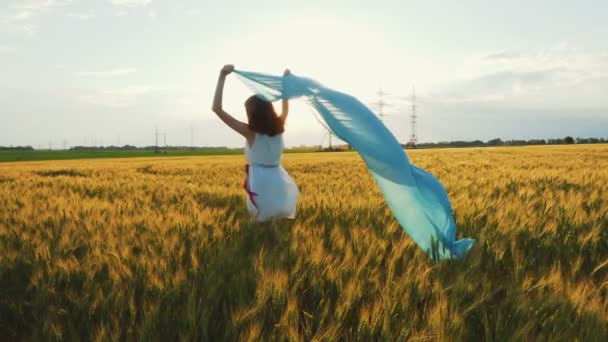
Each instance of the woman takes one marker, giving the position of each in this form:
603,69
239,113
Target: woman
271,192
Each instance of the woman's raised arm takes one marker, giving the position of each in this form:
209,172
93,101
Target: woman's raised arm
240,127
285,102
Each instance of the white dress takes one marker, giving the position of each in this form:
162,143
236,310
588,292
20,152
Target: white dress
271,192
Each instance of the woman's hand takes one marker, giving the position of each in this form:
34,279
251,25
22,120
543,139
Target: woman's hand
227,69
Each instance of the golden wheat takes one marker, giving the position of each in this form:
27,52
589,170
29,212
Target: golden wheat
163,249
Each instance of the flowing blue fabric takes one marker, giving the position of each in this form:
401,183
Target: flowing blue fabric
416,197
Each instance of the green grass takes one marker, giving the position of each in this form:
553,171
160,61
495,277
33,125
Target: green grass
39,155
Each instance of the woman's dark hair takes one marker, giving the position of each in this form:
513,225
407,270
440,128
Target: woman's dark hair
262,117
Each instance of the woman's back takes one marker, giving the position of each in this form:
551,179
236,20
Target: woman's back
266,150
271,192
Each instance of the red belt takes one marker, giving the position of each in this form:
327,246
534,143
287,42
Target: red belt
246,186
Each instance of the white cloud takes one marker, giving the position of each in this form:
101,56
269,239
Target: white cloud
7,49
80,16
560,56
107,73
131,3
502,56
501,85
22,15
123,7
119,97
507,74
192,12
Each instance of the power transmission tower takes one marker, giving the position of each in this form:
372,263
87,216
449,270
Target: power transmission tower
381,104
413,117
329,132
165,138
191,135
156,140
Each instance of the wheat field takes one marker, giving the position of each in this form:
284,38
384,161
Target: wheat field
163,249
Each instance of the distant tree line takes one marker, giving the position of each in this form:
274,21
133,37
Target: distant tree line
124,148
459,143
16,148
147,148
499,142
112,148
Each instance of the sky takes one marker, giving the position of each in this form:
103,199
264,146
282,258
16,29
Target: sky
109,72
